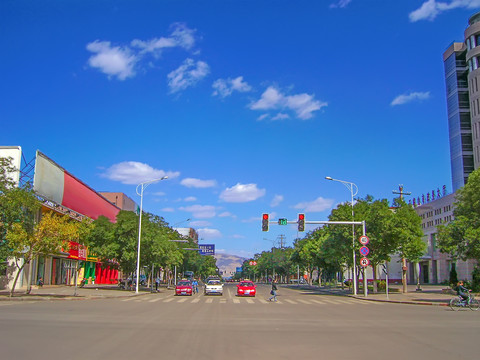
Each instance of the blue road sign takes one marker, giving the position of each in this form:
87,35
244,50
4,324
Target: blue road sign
206,249
238,269
364,250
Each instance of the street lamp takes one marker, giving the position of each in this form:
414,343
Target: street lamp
350,186
142,186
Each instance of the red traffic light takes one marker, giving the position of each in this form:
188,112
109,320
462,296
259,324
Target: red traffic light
301,216
265,216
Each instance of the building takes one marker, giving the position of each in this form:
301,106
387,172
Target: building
120,200
188,232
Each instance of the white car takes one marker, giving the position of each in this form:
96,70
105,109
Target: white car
213,287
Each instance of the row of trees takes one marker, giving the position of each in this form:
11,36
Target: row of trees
26,233
392,230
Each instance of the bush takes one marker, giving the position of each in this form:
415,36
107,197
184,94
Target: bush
381,285
453,277
476,278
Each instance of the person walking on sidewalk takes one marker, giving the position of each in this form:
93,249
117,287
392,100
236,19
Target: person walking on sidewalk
273,292
157,282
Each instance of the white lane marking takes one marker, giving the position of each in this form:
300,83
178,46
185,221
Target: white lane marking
304,302
331,302
317,302
182,300
128,299
223,301
345,302
168,300
291,301
250,301
263,301
209,301
155,300
195,300
236,301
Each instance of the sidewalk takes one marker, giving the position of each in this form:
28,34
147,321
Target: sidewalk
63,292
438,295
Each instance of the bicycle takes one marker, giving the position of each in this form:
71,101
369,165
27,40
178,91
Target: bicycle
457,302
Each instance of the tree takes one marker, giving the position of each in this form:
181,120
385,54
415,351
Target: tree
406,231
461,237
48,236
18,205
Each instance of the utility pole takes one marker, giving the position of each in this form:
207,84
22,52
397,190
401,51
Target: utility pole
281,239
400,191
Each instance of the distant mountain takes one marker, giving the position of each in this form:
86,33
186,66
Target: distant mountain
228,264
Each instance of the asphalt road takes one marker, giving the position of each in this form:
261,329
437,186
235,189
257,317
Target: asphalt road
302,325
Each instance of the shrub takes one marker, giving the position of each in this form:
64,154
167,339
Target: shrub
476,278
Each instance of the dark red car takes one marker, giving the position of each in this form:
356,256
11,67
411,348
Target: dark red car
246,288
184,287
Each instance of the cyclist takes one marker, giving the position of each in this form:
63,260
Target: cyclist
462,291
195,286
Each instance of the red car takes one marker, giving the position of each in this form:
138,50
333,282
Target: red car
246,288
184,287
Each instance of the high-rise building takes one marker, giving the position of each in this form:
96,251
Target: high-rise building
462,78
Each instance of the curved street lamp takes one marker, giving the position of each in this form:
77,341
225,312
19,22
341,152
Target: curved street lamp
142,186
351,186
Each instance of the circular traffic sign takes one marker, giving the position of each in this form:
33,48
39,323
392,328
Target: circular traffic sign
364,250
364,262
364,240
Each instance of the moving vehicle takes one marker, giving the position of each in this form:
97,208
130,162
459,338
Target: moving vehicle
213,287
184,287
246,288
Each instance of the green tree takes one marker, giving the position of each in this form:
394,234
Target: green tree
48,236
461,237
18,205
406,231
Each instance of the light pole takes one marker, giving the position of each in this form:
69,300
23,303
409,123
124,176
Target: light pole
350,186
142,186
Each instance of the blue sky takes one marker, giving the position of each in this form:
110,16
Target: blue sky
246,105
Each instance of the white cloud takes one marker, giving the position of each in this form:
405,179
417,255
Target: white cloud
197,183
181,36
208,234
199,223
190,198
226,214
200,211
242,193
113,61
302,104
280,116
134,172
318,205
263,117
225,87
188,74
169,210
412,96
277,199
340,4
430,9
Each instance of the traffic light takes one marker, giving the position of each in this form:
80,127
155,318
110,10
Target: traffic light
301,222
265,222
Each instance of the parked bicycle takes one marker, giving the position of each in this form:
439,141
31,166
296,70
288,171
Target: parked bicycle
458,302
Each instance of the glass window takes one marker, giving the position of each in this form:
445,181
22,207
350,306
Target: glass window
470,65
469,46
472,40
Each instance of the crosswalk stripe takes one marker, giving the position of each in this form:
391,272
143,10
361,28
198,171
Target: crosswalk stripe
304,302
263,301
250,301
317,302
345,302
182,300
168,300
236,301
331,302
209,301
291,301
128,299
223,301
155,300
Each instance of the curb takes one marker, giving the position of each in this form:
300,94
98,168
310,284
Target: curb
53,297
408,302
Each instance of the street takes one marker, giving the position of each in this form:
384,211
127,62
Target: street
300,325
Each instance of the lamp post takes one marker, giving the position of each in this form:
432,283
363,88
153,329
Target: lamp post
142,186
351,186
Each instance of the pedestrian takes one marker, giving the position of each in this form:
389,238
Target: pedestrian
157,282
273,292
40,282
